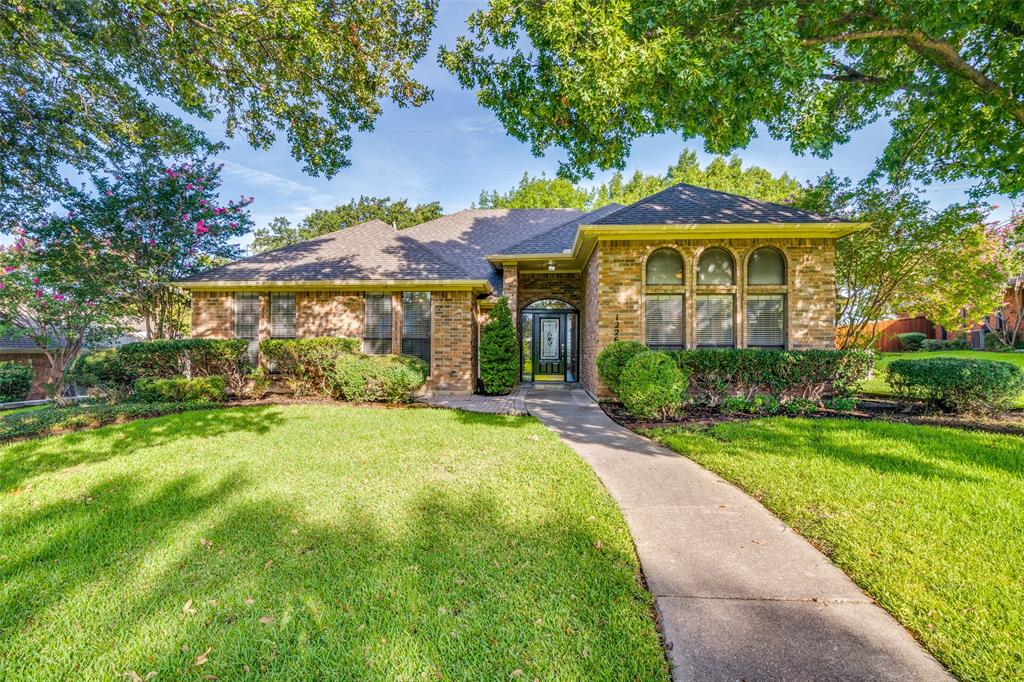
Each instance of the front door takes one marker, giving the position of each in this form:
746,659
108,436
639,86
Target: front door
549,347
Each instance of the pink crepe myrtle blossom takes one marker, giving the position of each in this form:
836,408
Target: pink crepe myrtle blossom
186,217
9,269
234,225
3,285
35,280
39,293
188,186
202,202
58,297
109,193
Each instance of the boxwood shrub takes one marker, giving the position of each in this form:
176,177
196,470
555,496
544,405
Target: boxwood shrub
613,358
715,374
378,378
957,384
180,390
651,385
911,341
307,365
15,381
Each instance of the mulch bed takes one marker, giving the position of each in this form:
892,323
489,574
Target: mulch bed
1010,422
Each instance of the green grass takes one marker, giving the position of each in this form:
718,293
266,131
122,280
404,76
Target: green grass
930,521
316,542
876,384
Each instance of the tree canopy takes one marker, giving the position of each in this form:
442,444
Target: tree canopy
321,221
726,175
590,76
78,78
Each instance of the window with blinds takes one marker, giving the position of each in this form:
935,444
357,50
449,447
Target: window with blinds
663,321
247,316
377,325
416,324
766,321
715,321
282,316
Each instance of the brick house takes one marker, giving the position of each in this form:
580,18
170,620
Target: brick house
687,267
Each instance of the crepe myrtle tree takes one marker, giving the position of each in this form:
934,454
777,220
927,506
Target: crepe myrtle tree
153,224
58,301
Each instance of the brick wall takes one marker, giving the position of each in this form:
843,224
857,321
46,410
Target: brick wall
212,314
328,313
534,286
613,287
40,370
510,289
453,342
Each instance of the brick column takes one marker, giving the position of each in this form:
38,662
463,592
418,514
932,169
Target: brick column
264,327
396,322
510,289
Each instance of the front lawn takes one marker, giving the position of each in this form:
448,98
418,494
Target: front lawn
876,384
316,542
930,521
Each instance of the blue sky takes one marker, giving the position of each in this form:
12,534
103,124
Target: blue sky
451,148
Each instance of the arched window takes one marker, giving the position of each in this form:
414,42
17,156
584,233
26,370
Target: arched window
715,268
766,312
766,267
665,266
663,307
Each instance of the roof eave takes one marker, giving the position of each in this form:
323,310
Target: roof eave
476,285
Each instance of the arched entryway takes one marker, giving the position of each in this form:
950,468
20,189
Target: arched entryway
549,341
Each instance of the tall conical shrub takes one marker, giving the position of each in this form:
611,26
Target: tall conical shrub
499,351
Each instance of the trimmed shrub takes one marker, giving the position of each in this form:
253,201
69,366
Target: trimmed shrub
228,358
180,390
612,360
719,373
499,351
86,415
959,343
15,381
104,371
651,385
911,341
307,365
761,404
957,384
378,378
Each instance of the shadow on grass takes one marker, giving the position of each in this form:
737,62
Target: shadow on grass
25,459
452,587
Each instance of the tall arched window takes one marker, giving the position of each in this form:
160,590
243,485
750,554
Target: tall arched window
715,268
664,327
716,309
766,303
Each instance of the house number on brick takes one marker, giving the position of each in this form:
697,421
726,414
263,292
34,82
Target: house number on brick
616,337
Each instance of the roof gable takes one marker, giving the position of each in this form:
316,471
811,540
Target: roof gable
684,204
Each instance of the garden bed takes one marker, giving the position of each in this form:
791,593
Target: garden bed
1009,422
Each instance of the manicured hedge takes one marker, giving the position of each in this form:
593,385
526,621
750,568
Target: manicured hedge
499,351
104,372
180,390
378,378
652,386
612,360
307,365
911,341
959,343
52,419
15,381
957,384
809,374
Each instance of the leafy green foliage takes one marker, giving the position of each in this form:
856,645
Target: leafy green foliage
499,351
932,345
15,381
612,360
725,175
79,79
539,192
378,378
957,384
716,374
924,519
759,404
911,259
811,73
321,221
911,341
228,358
841,404
208,389
651,385
103,372
308,365
149,225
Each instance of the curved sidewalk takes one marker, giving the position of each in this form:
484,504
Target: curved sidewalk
740,595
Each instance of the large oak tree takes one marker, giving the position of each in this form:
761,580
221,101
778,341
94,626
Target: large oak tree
590,76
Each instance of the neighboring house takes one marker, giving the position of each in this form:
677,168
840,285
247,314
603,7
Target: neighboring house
687,267
23,350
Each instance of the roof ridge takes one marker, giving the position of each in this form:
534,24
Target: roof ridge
737,196
509,249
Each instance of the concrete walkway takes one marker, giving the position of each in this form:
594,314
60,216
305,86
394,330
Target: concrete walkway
740,595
